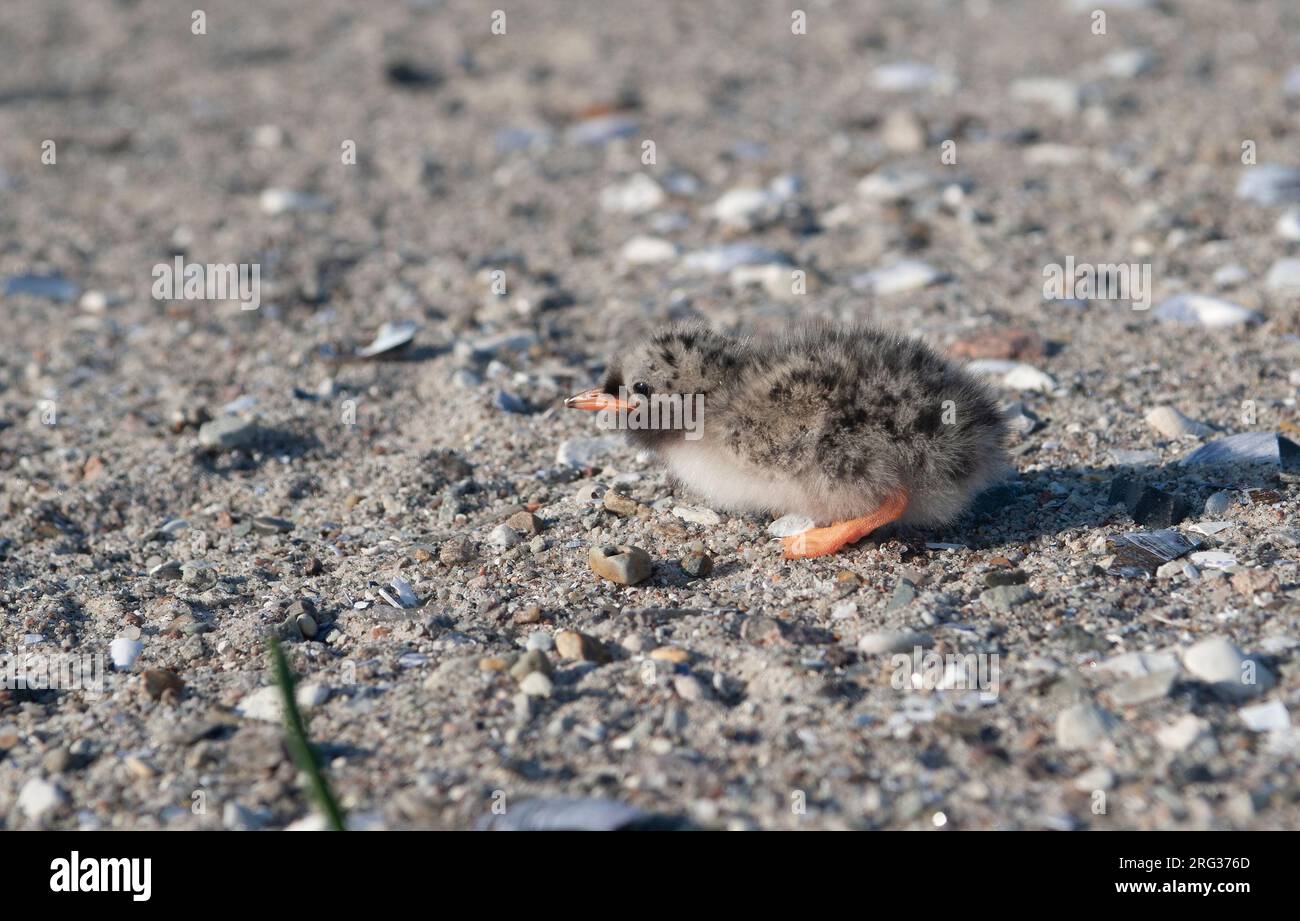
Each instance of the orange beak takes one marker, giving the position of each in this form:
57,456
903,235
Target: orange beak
595,400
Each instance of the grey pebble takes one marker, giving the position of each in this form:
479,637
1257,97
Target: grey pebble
1218,503
536,684
1143,689
1002,598
1222,666
893,641
1082,726
227,433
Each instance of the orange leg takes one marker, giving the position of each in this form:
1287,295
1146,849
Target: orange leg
828,540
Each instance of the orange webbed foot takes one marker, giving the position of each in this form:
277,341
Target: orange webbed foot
833,538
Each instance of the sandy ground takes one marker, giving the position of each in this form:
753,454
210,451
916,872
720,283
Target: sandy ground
763,694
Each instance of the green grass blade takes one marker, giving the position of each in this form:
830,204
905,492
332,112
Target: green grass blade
300,748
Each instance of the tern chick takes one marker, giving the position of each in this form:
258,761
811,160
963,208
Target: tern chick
851,426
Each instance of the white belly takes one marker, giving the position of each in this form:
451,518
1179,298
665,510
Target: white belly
725,484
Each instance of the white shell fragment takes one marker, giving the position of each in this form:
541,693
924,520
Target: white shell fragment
1202,310
718,260
1213,559
1261,448
698,515
561,814
1270,184
909,275
405,595
790,525
390,336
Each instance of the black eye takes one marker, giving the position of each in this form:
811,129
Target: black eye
642,388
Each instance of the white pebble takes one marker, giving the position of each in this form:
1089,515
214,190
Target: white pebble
1271,716
262,704
698,515
637,195
1230,275
1082,726
1221,665
285,201
1027,377
536,685
124,651
1179,735
908,275
645,250
38,796
1172,424
1284,276
1288,225
1199,309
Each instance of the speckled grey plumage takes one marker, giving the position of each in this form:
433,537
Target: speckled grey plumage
826,421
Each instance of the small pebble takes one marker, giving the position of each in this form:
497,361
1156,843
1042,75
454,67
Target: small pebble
38,797
696,562
1221,665
892,641
760,630
124,652
227,433
503,537
1143,689
1082,726
536,684
1219,502
1172,424
688,687
571,644
621,564
1179,735
532,661
672,654
1002,598
619,504
1271,716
